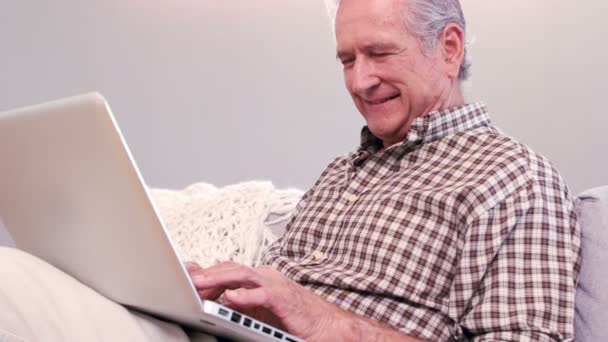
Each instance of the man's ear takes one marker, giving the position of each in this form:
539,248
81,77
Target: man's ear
452,45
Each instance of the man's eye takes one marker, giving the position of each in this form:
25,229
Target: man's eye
379,54
347,62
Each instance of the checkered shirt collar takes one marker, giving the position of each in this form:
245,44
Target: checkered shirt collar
434,126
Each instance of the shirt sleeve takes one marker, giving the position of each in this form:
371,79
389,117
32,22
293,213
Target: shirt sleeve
517,275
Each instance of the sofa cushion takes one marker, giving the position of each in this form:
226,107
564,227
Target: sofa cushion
592,292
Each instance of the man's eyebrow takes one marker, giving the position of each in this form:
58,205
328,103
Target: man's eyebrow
380,47
388,47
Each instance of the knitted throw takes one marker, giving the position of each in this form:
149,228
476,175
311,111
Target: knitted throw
209,224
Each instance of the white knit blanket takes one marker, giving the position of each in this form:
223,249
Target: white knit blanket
209,224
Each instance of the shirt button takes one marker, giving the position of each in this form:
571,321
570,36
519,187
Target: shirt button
317,256
350,197
457,333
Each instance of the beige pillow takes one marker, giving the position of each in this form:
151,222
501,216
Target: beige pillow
237,222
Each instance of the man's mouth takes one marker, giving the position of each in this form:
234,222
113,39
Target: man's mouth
382,100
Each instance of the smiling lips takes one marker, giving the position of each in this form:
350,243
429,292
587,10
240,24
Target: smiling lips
381,100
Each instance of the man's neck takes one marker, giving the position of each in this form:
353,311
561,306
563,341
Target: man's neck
452,98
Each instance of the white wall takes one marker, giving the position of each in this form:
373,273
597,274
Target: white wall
223,91
541,67
217,91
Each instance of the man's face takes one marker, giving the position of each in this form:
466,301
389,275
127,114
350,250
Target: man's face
386,72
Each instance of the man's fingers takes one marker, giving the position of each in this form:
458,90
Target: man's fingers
211,294
192,266
231,277
248,298
213,281
195,271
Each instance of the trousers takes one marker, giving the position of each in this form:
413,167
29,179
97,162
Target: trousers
38,302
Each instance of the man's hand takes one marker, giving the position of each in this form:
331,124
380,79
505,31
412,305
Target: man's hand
267,295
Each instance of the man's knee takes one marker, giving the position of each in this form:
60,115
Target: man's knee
14,260
9,253
38,300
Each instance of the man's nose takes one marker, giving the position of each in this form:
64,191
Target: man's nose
364,78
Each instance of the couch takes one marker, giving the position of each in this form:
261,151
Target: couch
592,207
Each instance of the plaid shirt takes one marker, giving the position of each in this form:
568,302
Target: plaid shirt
459,232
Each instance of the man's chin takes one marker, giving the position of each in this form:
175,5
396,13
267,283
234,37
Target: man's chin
380,133
387,134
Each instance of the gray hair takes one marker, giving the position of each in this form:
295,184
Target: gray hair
426,20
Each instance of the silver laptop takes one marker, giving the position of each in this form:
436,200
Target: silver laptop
71,194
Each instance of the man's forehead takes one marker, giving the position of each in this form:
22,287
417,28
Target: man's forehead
369,23
380,10
382,14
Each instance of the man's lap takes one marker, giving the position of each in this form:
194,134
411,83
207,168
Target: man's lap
39,302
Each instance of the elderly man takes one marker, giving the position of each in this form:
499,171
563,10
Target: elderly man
439,227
